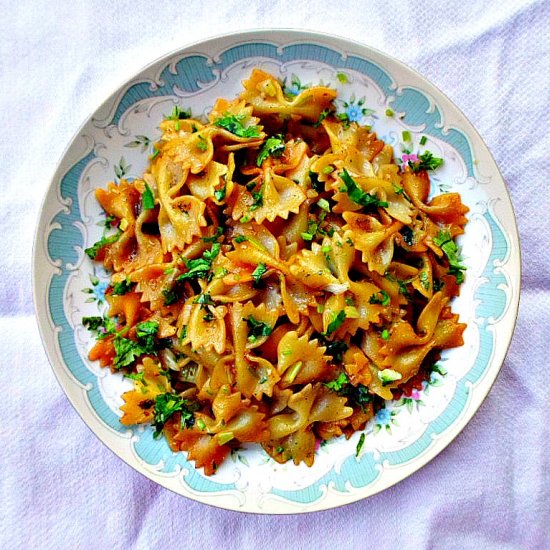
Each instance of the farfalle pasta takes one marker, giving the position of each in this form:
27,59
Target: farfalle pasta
276,276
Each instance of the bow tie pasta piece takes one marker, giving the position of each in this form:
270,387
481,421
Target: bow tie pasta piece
301,361
291,438
265,94
271,196
374,239
180,218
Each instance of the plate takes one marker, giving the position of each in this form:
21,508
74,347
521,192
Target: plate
115,142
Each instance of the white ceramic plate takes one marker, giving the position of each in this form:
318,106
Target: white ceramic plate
116,142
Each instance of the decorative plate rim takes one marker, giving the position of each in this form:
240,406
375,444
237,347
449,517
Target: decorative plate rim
53,203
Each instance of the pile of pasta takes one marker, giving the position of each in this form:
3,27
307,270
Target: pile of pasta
275,277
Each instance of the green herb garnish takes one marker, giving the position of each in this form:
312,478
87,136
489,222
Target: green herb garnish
258,197
336,322
257,329
179,114
451,250
119,289
93,251
233,124
357,195
259,272
273,147
360,444
381,297
101,327
339,383
219,194
166,405
424,280
324,114
202,144
215,237
147,199
204,300
426,162
199,268
138,376
358,396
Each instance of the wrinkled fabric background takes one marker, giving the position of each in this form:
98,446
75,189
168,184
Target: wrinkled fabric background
61,488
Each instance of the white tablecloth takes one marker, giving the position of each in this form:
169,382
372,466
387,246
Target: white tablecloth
61,488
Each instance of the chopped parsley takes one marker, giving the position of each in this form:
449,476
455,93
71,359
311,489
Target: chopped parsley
179,114
166,405
204,300
273,147
385,334
219,194
257,329
240,239
358,396
93,251
146,333
258,273
338,384
451,250
127,351
424,280
336,322
100,327
360,444
426,161
92,323
119,289
171,295
199,268
335,348
108,223
138,376
233,124
381,297
258,197
215,237
202,144
324,114
147,199
357,195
